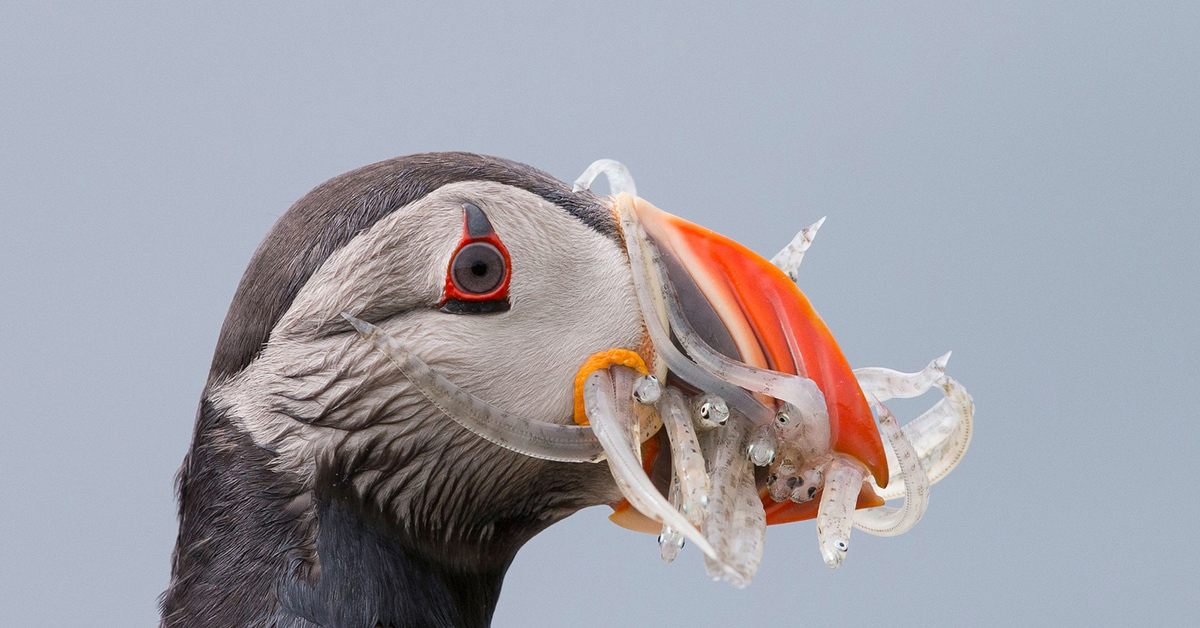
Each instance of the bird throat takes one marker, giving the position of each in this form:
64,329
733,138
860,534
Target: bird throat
255,550
369,577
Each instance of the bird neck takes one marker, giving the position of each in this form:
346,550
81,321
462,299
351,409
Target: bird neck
370,577
255,550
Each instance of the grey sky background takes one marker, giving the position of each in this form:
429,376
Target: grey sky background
1017,183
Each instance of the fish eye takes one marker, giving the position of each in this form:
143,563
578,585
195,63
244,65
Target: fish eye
478,268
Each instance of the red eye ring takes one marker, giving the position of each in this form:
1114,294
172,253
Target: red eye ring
480,262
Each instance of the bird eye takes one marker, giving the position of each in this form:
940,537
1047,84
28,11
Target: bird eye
478,268
477,279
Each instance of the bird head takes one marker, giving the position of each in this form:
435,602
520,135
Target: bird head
323,467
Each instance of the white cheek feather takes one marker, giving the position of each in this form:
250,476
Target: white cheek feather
317,391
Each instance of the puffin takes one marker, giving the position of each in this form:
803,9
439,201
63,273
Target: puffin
322,488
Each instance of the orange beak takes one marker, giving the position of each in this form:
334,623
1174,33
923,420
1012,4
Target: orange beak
750,310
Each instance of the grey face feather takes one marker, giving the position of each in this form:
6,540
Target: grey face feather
319,394
329,216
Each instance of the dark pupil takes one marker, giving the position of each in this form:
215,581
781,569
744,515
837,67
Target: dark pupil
478,268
